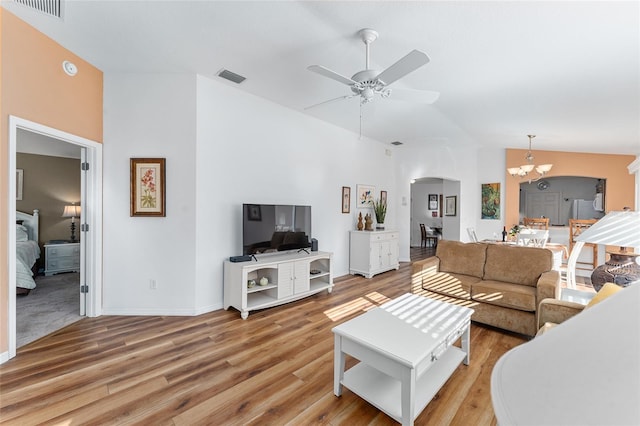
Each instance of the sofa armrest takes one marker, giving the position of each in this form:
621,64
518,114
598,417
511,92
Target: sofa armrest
557,311
548,286
421,268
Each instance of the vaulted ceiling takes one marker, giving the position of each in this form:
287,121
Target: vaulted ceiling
568,72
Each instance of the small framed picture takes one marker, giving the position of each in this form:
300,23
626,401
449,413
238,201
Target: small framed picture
383,197
450,205
254,212
433,201
346,199
147,187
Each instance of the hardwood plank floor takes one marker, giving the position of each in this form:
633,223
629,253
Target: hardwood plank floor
274,368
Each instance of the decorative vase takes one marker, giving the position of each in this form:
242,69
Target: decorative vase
264,281
360,224
368,222
380,226
251,283
621,269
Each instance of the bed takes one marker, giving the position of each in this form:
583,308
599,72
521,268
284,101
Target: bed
27,250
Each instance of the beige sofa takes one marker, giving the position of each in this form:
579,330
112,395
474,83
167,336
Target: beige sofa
503,284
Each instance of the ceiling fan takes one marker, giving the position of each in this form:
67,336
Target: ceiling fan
368,83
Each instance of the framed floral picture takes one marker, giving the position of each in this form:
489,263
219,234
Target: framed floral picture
365,196
346,199
383,197
148,197
19,183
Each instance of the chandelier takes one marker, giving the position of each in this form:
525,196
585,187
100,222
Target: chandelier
525,169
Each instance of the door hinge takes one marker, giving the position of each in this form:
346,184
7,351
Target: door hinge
84,289
84,227
84,166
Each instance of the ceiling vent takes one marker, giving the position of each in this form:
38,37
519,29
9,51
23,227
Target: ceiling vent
48,7
231,76
396,143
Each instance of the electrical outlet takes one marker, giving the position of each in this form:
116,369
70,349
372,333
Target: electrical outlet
153,284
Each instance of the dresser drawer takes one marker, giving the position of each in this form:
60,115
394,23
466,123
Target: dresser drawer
63,263
60,250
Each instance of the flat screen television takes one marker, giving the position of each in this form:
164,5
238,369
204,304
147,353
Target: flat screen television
272,228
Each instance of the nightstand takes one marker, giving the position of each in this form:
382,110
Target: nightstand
61,258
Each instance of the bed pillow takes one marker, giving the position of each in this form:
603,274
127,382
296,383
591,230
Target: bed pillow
21,233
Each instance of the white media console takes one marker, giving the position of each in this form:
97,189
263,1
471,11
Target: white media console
289,277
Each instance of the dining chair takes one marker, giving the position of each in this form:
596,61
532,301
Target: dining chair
576,227
533,237
428,237
536,222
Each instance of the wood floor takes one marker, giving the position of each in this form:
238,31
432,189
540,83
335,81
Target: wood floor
274,368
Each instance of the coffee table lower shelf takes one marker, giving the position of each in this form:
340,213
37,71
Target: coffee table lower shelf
384,392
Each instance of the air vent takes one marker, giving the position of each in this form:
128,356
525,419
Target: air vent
396,143
48,7
231,76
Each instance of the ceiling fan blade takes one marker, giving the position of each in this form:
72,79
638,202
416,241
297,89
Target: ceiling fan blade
411,62
331,100
331,74
414,95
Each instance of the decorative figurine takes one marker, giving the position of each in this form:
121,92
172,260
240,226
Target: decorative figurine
368,222
264,281
360,224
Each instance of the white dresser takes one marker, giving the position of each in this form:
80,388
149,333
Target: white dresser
61,258
373,252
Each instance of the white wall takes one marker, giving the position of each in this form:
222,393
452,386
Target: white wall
440,160
149,115
223,148
250,150
491,169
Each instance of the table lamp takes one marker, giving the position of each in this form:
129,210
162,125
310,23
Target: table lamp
72,211
620,228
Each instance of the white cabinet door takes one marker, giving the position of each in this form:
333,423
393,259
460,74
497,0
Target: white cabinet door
301,277
285,280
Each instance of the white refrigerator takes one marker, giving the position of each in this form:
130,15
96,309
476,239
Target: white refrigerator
584,209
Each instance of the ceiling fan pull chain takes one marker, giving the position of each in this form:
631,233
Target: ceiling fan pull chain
360,120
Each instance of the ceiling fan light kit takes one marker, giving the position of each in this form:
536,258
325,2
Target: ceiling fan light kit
525,169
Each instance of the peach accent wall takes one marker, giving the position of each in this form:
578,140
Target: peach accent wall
33,86
620,190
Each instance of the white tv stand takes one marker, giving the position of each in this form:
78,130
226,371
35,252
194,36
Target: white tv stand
291,276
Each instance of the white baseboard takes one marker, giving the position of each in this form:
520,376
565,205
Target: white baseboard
4,357
162,312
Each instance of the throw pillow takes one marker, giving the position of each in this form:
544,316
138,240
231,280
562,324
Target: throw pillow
607,290
21,233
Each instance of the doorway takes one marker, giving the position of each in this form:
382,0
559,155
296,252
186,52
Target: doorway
90,288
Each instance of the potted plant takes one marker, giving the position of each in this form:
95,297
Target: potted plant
380,210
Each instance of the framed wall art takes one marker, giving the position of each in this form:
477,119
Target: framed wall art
490,207
148,197
19,183
383,197
346,199
450,205
433,201
365,196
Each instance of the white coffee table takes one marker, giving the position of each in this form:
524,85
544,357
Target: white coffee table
406,353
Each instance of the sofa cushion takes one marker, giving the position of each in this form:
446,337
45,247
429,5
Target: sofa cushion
518,265
449,284
461,258
508,295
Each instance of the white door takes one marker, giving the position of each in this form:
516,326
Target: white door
544,204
